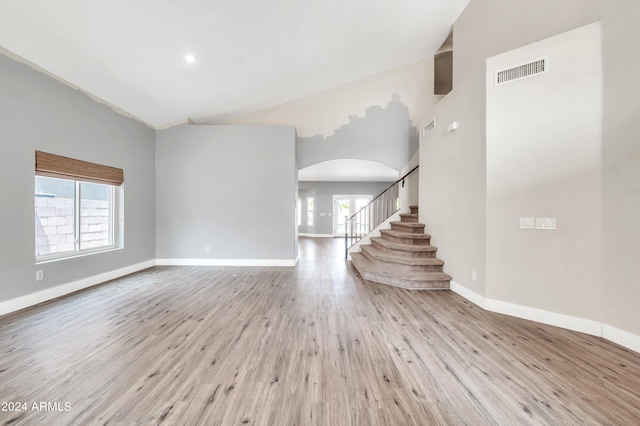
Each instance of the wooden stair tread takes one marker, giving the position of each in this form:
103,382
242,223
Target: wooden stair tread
400,234
412,280
402,257
404,247
409,275
408,224
378,254
409,217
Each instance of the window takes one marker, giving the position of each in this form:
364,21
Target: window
309,211
299,210
344,206
76,212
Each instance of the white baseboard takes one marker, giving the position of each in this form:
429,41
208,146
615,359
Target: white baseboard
32,299
22,302
621,337
318,235
467,294
545,317
595,328
227,262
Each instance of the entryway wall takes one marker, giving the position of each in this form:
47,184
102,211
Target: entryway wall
543,156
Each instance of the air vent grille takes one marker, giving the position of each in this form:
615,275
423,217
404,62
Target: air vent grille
429,127
521,71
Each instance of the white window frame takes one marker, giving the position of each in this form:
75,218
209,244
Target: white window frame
116,227
352,204
310,212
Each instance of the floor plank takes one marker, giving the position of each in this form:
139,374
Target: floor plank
311,345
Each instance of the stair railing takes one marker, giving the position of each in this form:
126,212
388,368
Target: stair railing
368,218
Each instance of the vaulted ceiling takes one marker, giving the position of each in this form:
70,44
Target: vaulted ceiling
249,54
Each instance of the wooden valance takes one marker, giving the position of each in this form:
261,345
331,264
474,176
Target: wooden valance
56,166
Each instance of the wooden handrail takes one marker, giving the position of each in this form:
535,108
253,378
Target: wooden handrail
388,188
373,214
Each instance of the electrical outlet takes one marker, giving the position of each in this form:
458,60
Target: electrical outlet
39,275
474,276
207,249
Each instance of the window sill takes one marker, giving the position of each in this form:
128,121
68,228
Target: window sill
76,255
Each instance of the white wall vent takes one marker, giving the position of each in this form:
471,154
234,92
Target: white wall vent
519,72
429,127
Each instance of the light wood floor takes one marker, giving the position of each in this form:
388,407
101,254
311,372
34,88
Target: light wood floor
312,345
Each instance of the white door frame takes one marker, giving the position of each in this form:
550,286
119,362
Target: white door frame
352,197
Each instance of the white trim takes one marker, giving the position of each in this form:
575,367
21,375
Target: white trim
175,123
226,262
621,337
22,302
595,328
77,255
470,295
301,234
546,317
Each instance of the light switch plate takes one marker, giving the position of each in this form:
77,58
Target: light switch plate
546,223
526,222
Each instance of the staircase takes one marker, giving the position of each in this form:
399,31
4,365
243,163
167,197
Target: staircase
402,257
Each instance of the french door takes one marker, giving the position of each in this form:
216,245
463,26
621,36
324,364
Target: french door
344,206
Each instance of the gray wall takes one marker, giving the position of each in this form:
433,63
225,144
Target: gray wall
39,113
231,188
323,193
383,135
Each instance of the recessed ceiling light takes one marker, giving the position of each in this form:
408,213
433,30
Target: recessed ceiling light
190,58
